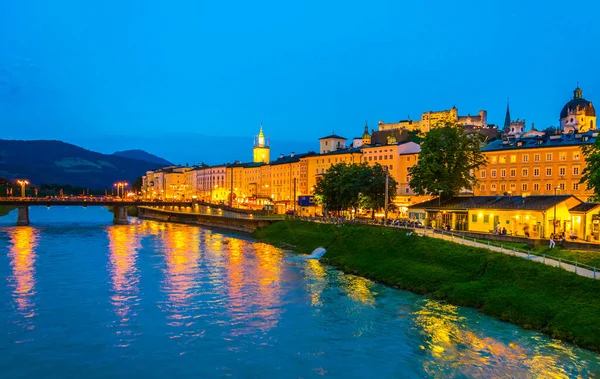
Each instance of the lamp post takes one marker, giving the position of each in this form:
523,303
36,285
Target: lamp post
554,220
22,183
387,184
440,198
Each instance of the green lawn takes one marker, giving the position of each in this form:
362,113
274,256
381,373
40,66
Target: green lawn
590,258
534,296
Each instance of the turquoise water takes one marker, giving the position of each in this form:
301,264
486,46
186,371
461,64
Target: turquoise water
83,298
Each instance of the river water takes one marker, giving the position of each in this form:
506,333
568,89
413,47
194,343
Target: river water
83,298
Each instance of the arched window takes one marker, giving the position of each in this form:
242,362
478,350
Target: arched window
591,124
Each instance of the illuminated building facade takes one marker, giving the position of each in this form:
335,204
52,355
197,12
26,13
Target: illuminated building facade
431,119
540,163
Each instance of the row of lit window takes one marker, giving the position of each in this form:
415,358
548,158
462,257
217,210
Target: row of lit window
562,171
525,187
536,157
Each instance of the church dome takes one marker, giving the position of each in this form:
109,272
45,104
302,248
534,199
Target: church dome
578,103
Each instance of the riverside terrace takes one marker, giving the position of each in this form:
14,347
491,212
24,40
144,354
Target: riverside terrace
119,205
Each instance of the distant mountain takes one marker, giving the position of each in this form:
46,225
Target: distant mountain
56,162
142,155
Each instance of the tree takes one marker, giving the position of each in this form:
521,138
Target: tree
591,172
350,186
137,185
447,162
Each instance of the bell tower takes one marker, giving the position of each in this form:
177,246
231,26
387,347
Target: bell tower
261,150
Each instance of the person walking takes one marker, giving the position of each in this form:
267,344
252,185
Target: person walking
552,243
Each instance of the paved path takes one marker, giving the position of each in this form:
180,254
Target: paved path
548,261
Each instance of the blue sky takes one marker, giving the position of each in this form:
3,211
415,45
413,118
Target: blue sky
193,80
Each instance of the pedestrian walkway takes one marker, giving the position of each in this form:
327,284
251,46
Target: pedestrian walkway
588,273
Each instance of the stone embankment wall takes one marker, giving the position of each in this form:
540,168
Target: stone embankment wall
238,224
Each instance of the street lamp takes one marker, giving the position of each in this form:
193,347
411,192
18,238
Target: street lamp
22,183
554,220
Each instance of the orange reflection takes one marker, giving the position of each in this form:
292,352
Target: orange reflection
316,275
182,253
22,260
123,244
253,286
461,351
358,288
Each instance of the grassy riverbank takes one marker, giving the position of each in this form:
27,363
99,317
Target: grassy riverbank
534,296
4,210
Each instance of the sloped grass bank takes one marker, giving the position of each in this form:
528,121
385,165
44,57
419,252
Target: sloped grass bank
544,298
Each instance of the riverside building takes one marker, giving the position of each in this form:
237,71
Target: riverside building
540,162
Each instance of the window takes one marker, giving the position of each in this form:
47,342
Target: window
493,173
474,217
513,186
575,170
370,158
502,187
486,219
513,172
548,186
391,167
525,157
493,186
536,157
548,157
575,186
562,171
536,172
494,159
563,156
548,171
562,186
406,190
503,173
536,187
525,172
513,158
576,156
482,173
483,188
503,159
523,186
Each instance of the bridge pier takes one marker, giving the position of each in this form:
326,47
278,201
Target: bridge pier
23,216
120,216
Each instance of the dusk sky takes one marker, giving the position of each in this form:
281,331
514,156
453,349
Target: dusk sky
191,81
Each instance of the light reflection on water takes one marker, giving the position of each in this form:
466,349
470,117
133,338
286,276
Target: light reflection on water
199,303
22,279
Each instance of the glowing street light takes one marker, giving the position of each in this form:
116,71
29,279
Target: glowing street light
121,186
22,183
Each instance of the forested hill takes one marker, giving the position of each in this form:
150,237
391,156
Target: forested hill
56,162
142,155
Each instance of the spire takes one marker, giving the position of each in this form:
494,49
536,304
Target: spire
260,133
577,93
366,127
507,117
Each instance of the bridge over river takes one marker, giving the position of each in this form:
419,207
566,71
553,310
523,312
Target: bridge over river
120,208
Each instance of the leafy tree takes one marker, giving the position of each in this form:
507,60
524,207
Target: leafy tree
351,186
137,185
447,162
591,173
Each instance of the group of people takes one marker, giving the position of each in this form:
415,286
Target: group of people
557,238
500,230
